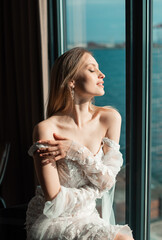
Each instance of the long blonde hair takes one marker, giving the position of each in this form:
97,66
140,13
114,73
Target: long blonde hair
64,69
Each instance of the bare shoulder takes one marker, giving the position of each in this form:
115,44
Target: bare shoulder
110,118
112,111
43,130
109,114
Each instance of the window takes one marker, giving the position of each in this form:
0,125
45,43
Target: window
156,125
99,26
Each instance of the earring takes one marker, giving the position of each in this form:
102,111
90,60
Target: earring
72,93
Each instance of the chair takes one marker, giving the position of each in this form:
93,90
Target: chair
12,219
4,155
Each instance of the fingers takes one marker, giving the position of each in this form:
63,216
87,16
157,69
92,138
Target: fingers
45,162
54,156
58,158
55,150
52,153
58,137
49,142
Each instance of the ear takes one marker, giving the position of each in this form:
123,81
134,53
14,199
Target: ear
72,83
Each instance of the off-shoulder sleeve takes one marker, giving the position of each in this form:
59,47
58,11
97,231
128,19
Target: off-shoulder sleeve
101,172
71,200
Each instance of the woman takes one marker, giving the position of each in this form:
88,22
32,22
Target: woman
76,155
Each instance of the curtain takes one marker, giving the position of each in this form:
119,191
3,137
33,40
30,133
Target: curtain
21,93
43,16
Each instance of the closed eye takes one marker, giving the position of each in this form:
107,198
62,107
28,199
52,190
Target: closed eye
91,70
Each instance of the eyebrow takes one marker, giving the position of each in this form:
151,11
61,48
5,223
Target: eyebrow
93,64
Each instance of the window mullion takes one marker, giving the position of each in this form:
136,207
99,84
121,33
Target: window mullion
138,41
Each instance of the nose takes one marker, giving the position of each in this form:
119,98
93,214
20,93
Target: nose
101,75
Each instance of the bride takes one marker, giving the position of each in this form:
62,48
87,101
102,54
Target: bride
76,156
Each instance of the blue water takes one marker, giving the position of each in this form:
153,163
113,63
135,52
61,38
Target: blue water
112,64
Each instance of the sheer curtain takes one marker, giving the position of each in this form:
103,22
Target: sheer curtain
43,14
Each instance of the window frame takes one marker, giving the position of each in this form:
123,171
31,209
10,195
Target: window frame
138,103
56,29
138,115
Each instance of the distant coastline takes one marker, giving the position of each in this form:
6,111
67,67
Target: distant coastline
94,45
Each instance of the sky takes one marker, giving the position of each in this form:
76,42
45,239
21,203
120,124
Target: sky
103,21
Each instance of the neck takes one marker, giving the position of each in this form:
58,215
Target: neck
81,113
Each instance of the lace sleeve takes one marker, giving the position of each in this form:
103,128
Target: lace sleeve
102,173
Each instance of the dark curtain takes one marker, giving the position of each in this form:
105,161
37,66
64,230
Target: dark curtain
21,103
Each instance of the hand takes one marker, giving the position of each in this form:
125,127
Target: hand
57,148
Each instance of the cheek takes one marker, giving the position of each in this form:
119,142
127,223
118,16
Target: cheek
81,84
84,84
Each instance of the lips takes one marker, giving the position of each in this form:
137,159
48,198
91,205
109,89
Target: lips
100,84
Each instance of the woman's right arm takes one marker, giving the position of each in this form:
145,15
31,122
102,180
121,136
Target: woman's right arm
59,199
46,169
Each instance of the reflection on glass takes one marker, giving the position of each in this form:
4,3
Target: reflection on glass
100,27
156,182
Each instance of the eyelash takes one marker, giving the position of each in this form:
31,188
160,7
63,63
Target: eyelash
91,70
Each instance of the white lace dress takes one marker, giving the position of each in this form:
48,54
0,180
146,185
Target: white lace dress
72,214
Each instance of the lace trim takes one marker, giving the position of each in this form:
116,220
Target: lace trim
34,147
101,175
111,143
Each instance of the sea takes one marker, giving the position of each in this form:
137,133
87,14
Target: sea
112,63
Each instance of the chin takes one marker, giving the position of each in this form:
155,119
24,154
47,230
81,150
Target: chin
100,94
103,93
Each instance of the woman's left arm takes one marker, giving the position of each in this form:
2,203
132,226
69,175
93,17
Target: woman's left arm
102,173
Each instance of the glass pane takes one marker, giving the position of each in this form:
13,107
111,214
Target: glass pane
100,27
156,182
